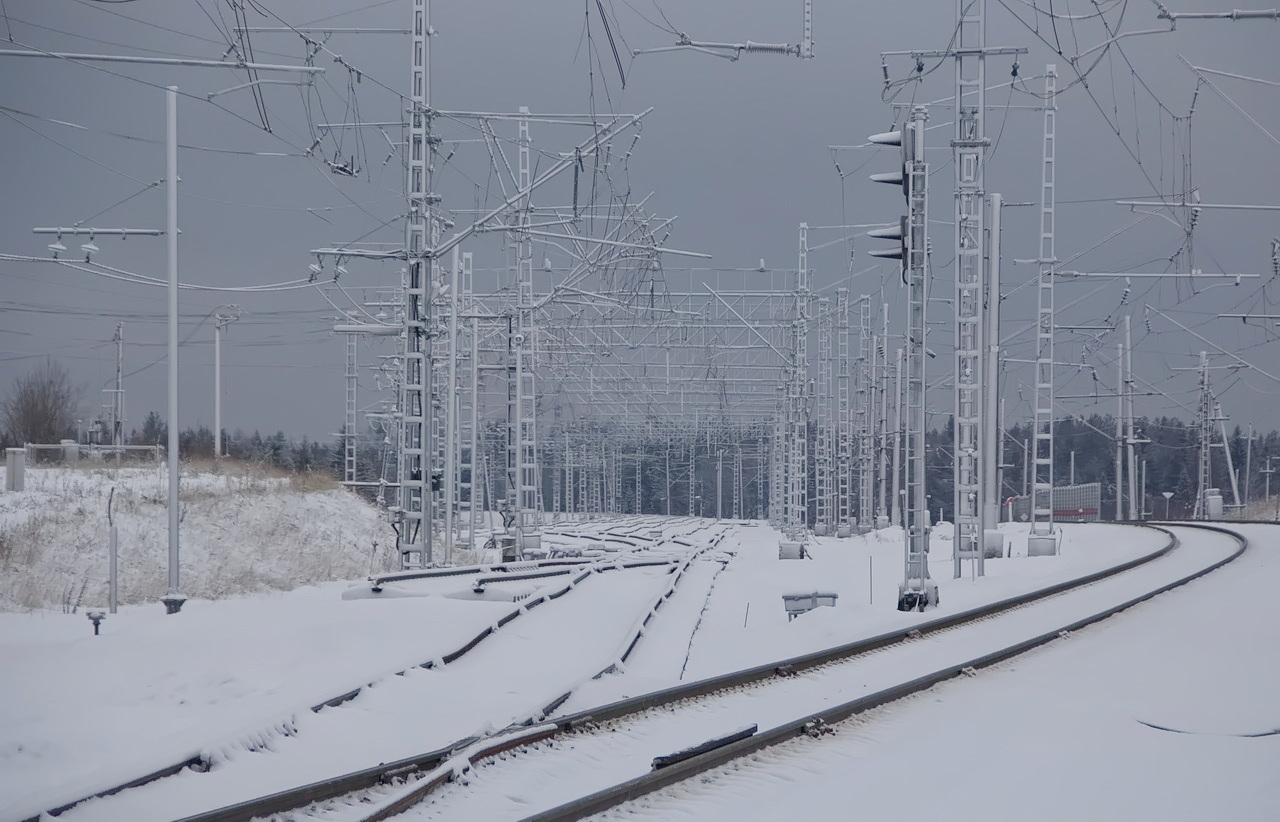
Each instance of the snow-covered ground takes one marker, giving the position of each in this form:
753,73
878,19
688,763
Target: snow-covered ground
242,530
1063,733
233,678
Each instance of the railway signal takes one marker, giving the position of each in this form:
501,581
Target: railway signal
917,590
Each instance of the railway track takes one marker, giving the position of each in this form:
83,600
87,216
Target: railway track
390,788
607,762
561,581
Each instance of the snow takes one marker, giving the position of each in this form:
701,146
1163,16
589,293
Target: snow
233,678
242,530
1056,734
625,749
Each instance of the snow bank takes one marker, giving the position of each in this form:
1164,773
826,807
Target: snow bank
241,531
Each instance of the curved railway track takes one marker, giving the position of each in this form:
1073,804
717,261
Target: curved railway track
592,737
630,748
559,579
390,788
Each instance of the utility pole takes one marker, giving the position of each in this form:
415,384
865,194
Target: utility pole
1129,439
739,510
414,517
220,321
349,473
1248,464
862,413
993,413
1221,419
968,155
1205,424
117,400
843,419
1043,540
822,448
796,436
719,484
897,439
882,420
451,399
525,411
1026,466
173,598
1120,433
1142,509
667,456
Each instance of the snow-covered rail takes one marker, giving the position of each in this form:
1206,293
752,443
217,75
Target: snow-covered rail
698,711
560,581
604,758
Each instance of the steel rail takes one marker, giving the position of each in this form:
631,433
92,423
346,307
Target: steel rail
810,725
198,762
434,768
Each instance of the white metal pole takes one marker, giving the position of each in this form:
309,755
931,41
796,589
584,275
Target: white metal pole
112,572
451,439
897,439
1120,434
1042,434
474,443
173,598
719,483
217,389
1248,465
991,440
1127,394
1226,450
1142,509
117,408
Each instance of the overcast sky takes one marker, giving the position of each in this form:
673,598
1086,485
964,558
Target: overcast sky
739,151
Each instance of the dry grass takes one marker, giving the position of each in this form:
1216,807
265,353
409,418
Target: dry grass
250,527
307,482
1260,509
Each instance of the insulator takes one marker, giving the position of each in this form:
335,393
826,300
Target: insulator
771,48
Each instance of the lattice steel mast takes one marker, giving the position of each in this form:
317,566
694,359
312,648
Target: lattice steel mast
843,419
414,476
1043,540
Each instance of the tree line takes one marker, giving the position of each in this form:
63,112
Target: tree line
40,407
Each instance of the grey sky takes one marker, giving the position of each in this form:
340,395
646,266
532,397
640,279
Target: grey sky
737,150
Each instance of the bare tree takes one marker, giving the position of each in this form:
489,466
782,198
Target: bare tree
41,405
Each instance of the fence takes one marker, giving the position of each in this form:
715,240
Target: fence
69,452
1071,503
